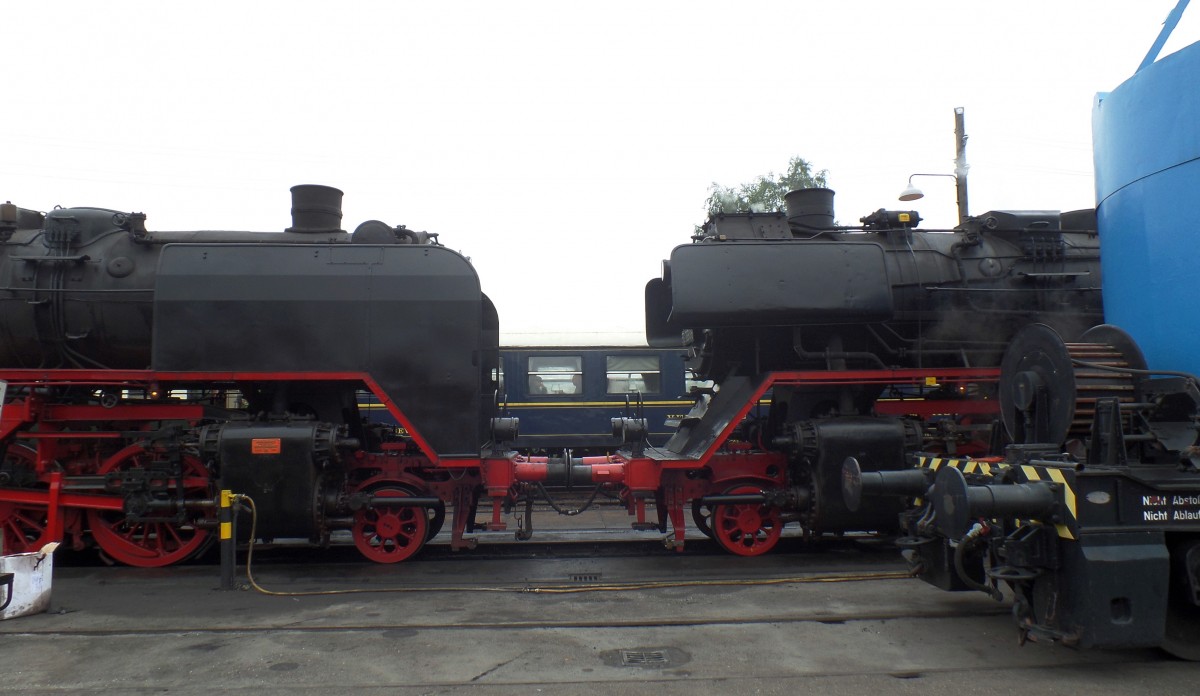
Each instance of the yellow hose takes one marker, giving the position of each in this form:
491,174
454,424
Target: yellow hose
557,589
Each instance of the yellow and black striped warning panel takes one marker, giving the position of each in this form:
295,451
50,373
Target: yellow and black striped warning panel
965,465
1068,528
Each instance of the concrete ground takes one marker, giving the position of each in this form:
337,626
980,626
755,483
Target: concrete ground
549,618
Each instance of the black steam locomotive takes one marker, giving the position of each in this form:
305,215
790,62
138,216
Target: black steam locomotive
875,341
143,367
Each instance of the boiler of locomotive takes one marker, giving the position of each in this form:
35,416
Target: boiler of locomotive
78,289
78,283
879,295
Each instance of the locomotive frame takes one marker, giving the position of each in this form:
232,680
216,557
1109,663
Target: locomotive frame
148,498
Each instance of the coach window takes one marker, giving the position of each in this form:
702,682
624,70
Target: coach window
634,373
498,378
555,375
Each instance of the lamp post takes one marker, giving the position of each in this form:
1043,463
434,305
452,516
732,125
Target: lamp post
913,193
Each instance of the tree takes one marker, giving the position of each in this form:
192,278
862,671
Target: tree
764,194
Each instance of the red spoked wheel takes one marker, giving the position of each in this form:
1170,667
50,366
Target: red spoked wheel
746,529
390,533
151,544
23,526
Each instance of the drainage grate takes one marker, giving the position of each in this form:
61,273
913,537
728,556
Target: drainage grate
646,657
586,577
643,658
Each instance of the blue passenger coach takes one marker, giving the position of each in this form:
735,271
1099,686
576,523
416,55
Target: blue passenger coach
566,397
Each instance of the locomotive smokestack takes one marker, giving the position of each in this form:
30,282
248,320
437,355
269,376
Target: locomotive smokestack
809,209
316,208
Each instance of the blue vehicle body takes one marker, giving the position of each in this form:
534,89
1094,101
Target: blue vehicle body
1147,159
566,397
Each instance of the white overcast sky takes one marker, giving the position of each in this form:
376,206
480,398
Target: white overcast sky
566,147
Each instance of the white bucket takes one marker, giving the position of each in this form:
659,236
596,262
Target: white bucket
29,591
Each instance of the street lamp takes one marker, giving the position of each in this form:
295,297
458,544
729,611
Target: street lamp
913,193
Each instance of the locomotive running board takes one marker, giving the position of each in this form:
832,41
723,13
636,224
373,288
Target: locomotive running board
708,420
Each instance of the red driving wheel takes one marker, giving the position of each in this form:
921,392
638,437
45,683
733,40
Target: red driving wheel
390,533
746,529
150,544
23,526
